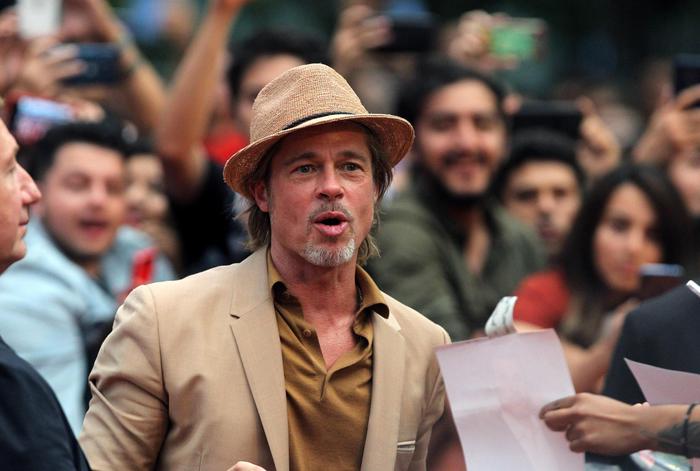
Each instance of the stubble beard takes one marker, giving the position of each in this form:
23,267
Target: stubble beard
323,257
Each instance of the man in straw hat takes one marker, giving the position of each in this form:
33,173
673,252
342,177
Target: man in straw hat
292,359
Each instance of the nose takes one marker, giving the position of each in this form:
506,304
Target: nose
329,186
97,195
636,239
30,192
467,136
135,194
545,203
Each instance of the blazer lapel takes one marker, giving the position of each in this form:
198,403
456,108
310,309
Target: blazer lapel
255,330
387,386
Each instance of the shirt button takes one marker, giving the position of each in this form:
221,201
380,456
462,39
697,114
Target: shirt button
306,333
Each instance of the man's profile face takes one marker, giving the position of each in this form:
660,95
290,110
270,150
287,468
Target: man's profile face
546,196
84,202
17,193
461,137
320,195
261,72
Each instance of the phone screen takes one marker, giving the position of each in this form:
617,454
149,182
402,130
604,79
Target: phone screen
414,32
101,64
518,38
33,116
559,116
38,17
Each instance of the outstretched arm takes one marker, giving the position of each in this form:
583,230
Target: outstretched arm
187,108
602,425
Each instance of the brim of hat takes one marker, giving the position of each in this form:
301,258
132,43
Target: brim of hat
395,136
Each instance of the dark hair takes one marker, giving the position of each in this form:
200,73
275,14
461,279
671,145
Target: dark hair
307,47
141,145
537,146
437,72
103,134
577,259
259,229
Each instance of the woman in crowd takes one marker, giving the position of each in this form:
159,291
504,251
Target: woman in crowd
631,217
147,203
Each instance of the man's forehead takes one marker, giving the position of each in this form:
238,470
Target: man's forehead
8,144
86,155
463,96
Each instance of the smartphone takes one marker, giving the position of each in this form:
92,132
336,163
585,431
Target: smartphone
38,17
29,117
410,32
518,38
559,116
686,73
657,278
101,64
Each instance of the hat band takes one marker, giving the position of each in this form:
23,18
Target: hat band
313,116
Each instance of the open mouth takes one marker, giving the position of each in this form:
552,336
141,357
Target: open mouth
331,223
93,226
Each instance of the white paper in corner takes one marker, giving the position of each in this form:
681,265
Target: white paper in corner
496,389
663,386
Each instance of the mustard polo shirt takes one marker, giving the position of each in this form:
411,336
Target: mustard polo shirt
327,410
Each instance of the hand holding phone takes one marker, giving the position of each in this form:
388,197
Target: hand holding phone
517,38
497,41
686,73
409,32
101,64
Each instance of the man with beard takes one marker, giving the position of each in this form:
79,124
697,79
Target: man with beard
272,360
58,302
447,250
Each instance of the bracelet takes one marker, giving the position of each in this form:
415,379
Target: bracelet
684,437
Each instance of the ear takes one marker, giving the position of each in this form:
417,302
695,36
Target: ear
259,191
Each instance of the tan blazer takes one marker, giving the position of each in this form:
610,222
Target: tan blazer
191,378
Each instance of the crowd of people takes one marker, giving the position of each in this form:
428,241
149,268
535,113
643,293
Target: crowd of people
238,265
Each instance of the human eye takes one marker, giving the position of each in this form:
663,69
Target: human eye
441,122
76,183
486,121
619,224
351,167
116,188
304,169
525,196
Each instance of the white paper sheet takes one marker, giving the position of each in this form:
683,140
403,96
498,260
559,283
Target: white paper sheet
662,386
496,389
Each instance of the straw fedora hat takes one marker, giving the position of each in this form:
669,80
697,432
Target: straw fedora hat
303,97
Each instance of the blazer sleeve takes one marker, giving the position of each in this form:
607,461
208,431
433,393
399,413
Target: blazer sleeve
128,414
434,408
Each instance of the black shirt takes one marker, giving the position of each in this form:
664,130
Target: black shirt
208,233
34,432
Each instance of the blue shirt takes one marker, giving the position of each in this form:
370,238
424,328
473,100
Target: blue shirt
47,302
